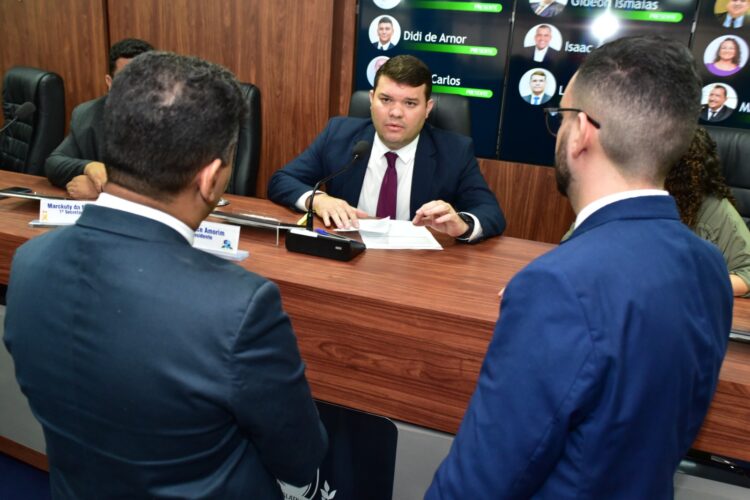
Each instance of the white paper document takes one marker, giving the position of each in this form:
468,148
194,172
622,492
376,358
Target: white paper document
396,235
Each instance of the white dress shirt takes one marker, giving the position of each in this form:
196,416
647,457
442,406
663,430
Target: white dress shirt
110,201
539,54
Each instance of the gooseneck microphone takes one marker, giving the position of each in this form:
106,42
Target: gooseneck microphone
23,112
359,149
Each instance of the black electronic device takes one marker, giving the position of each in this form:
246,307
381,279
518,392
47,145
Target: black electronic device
329,246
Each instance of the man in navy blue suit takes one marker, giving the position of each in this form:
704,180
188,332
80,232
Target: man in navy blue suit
155,369
607,352
413,172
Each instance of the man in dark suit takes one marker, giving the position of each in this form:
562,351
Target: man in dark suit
385,34
413,171
546,8
607,352
537,85
155,369
77,163
542,52
715,110
734,17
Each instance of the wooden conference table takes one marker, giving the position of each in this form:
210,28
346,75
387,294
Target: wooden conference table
403,333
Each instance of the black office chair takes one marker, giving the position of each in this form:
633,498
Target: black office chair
733,146
26,144
449,112
247,159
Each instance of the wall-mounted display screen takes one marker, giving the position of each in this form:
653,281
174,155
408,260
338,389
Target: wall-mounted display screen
513,59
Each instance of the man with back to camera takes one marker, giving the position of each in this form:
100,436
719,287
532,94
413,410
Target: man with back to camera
542,51
168,372
714,110
77,163
606,355
734,17
385,33
537,85
413,171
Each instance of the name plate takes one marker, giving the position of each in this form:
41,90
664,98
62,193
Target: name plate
220,239
60,212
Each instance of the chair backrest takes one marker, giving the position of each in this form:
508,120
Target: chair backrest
449,112
247,159
733,146
25,145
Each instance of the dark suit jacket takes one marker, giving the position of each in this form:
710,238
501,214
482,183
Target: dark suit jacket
544,99
444,169
84,143
724,113
607,351
387,47
549,57
155,369
551,11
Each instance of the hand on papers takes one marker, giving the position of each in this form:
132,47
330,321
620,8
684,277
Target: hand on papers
440,216
336,210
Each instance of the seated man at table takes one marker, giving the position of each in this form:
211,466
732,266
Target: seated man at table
77,163
607,352
158,370
413,172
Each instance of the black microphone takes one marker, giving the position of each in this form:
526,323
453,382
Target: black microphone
23,112
360,148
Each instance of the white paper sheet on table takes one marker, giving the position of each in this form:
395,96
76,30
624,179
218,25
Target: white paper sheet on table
396,235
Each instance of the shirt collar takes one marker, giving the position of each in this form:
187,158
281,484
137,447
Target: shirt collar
611,198
405,154
115,202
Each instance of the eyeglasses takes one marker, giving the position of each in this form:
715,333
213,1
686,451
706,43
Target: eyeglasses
553,117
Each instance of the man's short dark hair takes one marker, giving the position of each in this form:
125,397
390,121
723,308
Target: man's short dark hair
128,49
386,20
646,93
406,70
722,87
166,117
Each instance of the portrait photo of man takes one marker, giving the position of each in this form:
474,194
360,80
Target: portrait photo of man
731,13
715,108
547,8
534,86
544,41
385,32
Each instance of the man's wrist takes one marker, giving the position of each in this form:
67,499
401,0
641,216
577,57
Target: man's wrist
469,220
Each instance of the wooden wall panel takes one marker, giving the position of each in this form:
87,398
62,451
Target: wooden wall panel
282,46
528,194
68,37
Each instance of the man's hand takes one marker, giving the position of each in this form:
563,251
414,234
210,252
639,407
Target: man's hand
440,216
338,211
97,173
82,188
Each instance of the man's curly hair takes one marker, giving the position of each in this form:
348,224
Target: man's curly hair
697,175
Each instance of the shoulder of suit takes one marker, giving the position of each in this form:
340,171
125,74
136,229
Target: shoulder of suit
89,109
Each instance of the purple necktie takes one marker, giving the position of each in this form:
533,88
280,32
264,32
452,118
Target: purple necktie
388,189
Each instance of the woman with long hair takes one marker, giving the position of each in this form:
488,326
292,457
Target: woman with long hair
728,57
706,205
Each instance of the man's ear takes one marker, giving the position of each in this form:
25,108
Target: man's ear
209,182
430,104
108,81
582,135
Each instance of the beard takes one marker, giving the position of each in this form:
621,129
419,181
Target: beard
562,172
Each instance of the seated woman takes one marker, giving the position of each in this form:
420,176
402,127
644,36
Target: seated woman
728,57
706,205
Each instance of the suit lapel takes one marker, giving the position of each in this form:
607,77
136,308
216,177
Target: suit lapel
424,170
